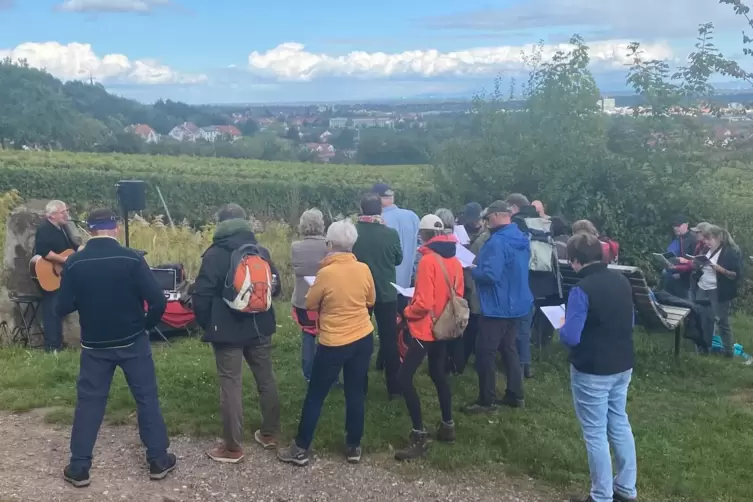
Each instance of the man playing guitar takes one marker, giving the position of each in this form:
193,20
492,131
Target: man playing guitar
50,243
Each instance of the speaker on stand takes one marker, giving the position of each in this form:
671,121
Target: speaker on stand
132,197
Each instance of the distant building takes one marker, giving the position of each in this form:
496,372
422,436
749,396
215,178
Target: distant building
361,122
187,131
324,137
607,104
144,132
736,106
323,151
226,132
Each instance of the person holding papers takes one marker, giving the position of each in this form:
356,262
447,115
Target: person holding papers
437,271
378,246
598,329
501,277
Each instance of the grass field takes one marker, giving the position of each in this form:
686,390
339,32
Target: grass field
691,416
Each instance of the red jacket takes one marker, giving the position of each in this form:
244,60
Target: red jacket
432,294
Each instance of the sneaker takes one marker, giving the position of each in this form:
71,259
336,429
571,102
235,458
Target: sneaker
77,477
446,432
621,498
419,445
353,454
267,441
581,499
511,401
221,454
479,409
160,470
293,455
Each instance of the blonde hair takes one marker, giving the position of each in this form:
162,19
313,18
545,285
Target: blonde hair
585,227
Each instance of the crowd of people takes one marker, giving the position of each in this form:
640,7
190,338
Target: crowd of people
405,272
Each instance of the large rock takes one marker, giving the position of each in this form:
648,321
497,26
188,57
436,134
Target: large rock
19,245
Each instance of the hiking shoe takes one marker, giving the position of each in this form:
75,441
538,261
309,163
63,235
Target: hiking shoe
419,445
77,477
267,441
220,453
353,454
479,409
293,455
159,470
621,498
446,432
511,401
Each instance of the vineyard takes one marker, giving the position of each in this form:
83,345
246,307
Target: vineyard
194,187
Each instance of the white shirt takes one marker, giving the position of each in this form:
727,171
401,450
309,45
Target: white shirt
707,282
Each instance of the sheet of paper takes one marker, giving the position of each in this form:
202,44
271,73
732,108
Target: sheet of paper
406,292
462,235
310,279
555,314
466,257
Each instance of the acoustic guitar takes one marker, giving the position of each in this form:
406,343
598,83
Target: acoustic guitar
46,272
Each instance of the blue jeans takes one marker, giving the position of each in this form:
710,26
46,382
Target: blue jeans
600,402
52,324
93,389
308,351
523,340
353,359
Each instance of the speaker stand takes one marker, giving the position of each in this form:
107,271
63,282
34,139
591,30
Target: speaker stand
127,229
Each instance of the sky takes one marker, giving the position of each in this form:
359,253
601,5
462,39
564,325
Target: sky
245,51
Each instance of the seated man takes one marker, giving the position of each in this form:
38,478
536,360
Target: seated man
109,284
676,276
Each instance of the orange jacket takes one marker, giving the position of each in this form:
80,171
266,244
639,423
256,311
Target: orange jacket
432,294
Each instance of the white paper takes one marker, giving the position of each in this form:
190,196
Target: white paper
462,235
464,256
555,314
406,292
310,279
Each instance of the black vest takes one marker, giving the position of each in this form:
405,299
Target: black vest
606,344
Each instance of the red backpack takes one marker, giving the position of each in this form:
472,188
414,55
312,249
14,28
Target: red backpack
249,282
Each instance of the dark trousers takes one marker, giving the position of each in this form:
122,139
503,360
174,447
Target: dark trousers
437,353
93,389
460,349
385,315
229,362
52,323
353,359
497,334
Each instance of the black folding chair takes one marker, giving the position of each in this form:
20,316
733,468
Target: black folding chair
28,308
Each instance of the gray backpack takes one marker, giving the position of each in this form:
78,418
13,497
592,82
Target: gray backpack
542,245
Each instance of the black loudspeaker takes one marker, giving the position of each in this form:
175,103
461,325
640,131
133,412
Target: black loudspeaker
132,195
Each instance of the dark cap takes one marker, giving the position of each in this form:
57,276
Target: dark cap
383,190
498,206
471,212
679,220
102,219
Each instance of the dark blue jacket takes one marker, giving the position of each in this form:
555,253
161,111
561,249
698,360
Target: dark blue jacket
108,284
501,274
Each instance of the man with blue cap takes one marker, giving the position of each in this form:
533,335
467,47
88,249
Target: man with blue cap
109,285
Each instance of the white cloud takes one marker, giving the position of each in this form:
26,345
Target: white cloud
290,61
76,61
90,6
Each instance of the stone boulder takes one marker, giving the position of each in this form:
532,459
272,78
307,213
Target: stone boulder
16,278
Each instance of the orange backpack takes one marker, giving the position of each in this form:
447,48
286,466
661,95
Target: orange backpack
249,281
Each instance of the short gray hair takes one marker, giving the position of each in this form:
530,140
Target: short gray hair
53,207
230,211
342,235
311,222
448,220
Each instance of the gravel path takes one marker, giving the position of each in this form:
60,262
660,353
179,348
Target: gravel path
34,454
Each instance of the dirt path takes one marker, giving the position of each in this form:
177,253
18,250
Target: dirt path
34,454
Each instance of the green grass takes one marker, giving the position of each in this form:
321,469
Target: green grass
692,417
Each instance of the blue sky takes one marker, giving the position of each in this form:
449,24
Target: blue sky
237,51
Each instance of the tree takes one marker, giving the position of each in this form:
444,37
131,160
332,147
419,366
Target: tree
346,140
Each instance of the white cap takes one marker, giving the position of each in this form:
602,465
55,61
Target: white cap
431,222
